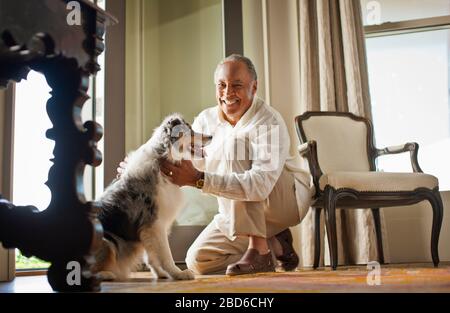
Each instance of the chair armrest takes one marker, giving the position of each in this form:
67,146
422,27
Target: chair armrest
412,147
308,150
303,148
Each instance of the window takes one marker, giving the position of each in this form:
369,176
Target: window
409,67
32,150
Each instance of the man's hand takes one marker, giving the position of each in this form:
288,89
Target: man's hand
184,174
121,168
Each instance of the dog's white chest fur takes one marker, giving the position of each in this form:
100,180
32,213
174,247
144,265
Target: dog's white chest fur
170,200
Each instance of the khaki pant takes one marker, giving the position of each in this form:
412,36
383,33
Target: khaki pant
286,206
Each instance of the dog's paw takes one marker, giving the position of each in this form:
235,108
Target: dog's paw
184,275
106,275
160,274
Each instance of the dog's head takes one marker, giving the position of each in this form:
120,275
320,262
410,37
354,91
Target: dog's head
181,141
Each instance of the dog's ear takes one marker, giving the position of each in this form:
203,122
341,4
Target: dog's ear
176,129
174,122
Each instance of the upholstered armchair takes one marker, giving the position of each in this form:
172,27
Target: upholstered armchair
341,157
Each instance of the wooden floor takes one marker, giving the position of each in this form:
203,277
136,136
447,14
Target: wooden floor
393,278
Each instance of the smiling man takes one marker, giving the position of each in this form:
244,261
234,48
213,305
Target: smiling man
246,167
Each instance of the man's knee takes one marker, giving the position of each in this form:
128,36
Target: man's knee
193,260
203,262
198,261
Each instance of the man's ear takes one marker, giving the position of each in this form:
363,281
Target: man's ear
255,86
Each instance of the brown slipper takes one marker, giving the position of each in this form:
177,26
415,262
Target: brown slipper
289,259
251,262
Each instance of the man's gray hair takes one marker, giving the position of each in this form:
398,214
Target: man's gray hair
240,58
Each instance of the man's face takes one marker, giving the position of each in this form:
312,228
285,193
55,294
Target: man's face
235,89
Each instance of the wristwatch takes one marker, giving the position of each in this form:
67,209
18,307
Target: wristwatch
201,181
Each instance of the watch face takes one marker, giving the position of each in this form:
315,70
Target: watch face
200,183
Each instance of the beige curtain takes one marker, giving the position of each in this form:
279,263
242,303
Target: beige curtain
333,77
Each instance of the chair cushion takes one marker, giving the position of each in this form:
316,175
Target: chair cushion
378,181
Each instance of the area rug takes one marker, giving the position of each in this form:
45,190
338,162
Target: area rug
388,278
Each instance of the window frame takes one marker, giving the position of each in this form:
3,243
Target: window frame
407,26
7,257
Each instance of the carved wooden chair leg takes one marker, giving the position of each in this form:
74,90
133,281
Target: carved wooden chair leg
317,213
377,222
330,221
436,203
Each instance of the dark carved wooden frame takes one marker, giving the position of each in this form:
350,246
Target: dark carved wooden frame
68,230
346,198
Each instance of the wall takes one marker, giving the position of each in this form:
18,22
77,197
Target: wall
173,48
189,52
